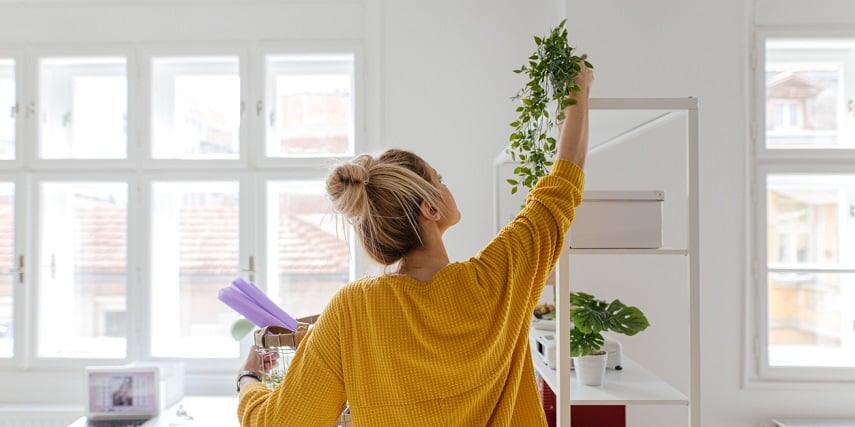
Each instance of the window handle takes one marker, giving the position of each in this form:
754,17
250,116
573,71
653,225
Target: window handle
13,111
31,109
272,119
251,269
259,108
19,270
52,266
67,119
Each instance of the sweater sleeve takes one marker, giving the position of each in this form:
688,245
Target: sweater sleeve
312,393
525,251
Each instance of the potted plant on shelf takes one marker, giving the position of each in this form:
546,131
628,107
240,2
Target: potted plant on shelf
591,317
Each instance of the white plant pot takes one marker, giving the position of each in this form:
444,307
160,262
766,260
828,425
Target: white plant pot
590,370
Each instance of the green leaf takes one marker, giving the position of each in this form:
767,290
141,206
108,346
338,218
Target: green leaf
592,316
550,69
626,320
583,344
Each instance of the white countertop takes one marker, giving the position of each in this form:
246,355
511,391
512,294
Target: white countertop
193,411
816,422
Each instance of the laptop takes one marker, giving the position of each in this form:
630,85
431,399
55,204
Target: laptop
122,396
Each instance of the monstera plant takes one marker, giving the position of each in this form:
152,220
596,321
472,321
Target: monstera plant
591,317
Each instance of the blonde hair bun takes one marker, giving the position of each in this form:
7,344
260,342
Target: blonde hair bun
346,187
381,198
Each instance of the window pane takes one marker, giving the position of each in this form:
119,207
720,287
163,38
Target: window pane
809,220
195,253
806,94
83,269
84,108
310,105
8,109
195,108
7,264
811,229
309,252
811,319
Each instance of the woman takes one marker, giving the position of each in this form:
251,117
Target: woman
428,343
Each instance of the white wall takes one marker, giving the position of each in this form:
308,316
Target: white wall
701,48
447,73
443,78
679,48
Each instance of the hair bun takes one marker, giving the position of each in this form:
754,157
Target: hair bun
352,174
346,187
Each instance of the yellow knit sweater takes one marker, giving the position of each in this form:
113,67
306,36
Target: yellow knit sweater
453,351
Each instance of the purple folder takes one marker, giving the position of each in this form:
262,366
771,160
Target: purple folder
253,304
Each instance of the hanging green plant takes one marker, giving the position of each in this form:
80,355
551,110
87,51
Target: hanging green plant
550,70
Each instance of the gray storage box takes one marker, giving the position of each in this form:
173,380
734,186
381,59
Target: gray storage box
618,219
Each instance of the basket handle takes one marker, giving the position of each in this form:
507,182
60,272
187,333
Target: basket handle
280,336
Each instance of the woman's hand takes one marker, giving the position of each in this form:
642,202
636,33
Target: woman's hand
263,365
573,142
584,80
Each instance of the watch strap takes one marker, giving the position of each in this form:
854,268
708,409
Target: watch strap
242,374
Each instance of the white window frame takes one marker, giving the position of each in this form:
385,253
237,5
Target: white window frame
139,169
201,50
259,89
36,269
762,163
10,172
33,100
21,109
20,290
248,246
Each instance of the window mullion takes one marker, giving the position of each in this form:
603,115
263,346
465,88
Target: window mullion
139,293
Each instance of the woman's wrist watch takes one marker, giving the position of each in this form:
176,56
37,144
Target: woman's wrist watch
243,374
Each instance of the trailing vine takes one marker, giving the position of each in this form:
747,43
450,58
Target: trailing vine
550,70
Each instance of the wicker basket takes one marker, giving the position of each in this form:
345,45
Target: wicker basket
344,421
276,346
284,342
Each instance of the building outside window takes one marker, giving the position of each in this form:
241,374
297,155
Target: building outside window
805,239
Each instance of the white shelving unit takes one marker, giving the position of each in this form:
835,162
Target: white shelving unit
634,385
